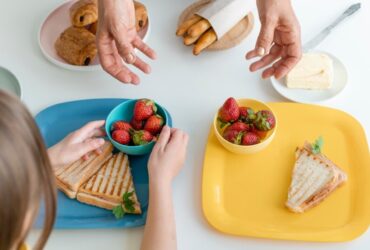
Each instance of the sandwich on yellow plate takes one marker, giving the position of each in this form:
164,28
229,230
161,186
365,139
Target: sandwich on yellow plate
314,178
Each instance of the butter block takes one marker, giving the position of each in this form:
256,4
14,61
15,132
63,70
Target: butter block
313,71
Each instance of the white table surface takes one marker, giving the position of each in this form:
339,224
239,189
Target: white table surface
192,88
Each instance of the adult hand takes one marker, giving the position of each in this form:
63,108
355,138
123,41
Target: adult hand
168,156
279,40
77,144
117,38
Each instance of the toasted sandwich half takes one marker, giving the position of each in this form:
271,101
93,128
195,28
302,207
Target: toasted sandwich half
70,177
106,188
314,178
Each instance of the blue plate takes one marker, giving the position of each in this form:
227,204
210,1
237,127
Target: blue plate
55,123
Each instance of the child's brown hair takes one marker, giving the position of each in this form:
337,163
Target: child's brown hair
26,176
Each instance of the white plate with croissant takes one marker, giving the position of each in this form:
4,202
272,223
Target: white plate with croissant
67,34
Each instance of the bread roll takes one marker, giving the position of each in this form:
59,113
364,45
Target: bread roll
141,16
84,12
76,46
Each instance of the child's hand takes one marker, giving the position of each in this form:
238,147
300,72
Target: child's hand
168,156
77,144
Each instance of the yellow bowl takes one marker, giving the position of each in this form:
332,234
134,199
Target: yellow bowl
246,149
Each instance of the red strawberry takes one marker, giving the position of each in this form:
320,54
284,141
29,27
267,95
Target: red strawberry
144,108
137,125
265,120
250,138
233,136
261,134
154,124
142,137
121,125
229,112
238,126
121,136
247,114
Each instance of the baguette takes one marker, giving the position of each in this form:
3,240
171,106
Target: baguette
197,29
205,41
181,30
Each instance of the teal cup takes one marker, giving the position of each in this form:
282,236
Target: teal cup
124,111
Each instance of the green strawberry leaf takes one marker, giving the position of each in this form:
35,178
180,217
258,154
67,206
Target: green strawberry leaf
238,139
222,123
118,212
317,146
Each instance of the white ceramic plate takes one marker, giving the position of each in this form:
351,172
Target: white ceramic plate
9,83
315,96
53,25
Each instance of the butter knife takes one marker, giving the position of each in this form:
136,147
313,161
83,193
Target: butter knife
325,32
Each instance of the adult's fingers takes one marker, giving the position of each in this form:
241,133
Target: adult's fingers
140,64
134,79
274,54
108,58
285,66
143,47
265,37
125,48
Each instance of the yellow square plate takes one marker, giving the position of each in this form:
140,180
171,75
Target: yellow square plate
245,194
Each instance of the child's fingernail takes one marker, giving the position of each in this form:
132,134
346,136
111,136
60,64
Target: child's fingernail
261,51
100,141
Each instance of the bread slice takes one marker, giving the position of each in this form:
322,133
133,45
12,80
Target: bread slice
70,177
314,178
106,188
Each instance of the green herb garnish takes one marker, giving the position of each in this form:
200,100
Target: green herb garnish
118,211
317,146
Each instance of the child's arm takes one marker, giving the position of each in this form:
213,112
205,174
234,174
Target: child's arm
165,162
77,144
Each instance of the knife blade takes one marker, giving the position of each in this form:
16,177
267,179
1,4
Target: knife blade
325,32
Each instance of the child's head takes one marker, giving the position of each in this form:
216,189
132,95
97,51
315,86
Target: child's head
26,175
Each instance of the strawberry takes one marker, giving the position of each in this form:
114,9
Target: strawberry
261,134
144,108
154,124
142,137
137,125
238,126
229,112
264,121
250,138
121,125
121,136
233,136
247,114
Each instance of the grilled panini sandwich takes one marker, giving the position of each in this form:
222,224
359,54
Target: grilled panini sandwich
314,178
69,178
106,188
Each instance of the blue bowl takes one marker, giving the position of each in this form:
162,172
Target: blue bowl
124,111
